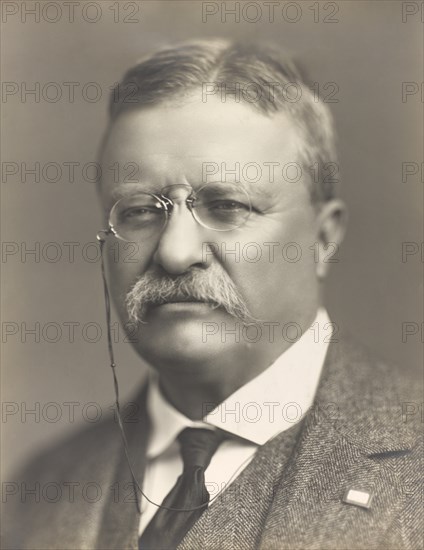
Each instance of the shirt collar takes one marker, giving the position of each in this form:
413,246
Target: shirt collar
167,422
270,403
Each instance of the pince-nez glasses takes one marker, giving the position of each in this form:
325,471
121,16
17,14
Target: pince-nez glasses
216,206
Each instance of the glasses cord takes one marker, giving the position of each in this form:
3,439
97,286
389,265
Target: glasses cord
115,379
118,407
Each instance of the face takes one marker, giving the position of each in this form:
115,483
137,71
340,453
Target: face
270,259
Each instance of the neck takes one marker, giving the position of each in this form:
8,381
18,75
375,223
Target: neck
203,397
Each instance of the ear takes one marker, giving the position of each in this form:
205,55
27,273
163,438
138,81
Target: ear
331,228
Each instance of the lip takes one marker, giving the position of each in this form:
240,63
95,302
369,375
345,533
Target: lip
183,299
181,305
183,302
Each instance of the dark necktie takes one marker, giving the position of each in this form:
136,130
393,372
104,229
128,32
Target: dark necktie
168,527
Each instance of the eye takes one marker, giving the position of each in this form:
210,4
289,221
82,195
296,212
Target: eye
140,212
227,205
131,212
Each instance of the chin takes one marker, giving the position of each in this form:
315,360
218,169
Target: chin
183,344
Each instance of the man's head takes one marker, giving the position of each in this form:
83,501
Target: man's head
208,114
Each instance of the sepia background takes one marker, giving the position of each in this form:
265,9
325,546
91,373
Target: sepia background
369,53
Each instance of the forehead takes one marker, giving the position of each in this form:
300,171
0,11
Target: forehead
197,142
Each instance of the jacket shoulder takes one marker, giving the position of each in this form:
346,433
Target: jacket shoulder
70,481
374,399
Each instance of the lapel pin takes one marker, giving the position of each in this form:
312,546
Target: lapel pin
358,498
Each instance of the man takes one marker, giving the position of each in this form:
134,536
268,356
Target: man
231,231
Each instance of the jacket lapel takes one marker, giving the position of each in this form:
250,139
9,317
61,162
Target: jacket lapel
235,518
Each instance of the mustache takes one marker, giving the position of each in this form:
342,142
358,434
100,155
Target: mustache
211,285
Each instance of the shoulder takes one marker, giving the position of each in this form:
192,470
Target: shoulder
64,455
93,440
88,446
358,368
374,399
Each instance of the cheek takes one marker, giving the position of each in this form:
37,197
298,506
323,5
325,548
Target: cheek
275,267
280,275
125,262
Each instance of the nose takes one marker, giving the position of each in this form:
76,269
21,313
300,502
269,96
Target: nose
181,246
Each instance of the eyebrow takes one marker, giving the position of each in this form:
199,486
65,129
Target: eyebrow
259,191
129,189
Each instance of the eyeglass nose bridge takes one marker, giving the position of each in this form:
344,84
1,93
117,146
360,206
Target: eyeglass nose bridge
169,201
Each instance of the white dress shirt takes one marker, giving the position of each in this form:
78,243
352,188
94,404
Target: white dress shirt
270,403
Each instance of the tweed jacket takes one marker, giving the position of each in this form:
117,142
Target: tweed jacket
364,433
